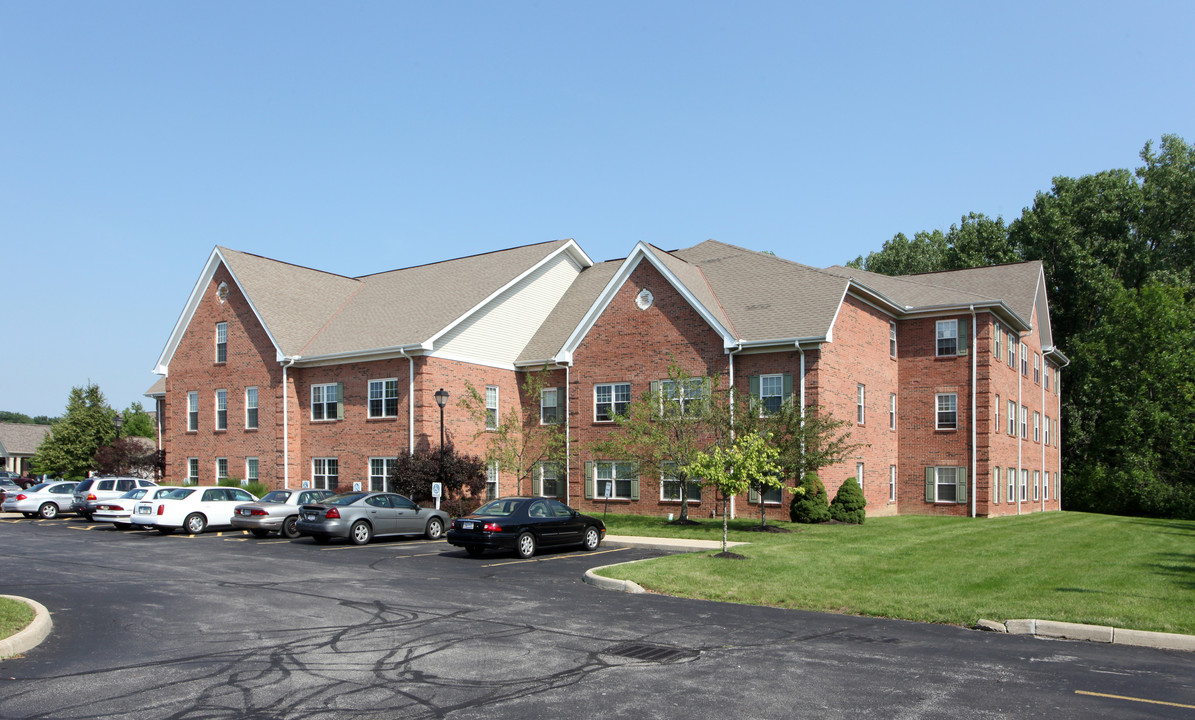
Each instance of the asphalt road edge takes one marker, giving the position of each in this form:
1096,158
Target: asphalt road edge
33,634
1092,633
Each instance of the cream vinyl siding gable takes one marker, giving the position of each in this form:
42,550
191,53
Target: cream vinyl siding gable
498,332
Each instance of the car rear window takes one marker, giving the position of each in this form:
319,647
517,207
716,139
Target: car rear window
278,496
499,507
39,486
177,494
85,485
343,499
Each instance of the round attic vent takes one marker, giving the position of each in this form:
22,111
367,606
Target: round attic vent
222,292
644,299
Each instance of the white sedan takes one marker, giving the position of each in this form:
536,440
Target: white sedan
119,512
193,509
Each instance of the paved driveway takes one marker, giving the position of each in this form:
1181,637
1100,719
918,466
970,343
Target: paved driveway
228,626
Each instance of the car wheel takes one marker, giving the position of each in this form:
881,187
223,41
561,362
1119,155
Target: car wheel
474,550
290,527
435,529
121,526
321,539
48,511
86,516
360,533
593,538
194,524
30,515
525,545
165,530
258,532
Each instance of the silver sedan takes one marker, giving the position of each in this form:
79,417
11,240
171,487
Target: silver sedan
359,516
277,511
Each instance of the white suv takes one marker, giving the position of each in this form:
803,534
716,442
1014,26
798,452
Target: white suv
93,491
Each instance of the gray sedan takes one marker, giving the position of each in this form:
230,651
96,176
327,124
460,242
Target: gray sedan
277,511
359,516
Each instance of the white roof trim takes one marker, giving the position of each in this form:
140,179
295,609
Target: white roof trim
180,328
641,252
571,247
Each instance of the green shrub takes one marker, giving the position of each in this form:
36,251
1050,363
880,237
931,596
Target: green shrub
848,503
229,482
812,506
256,488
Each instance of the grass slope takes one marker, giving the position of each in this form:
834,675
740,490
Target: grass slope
1126,572
14,616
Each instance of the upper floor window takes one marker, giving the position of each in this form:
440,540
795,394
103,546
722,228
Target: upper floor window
1046,429
383,398
1024,359
997,423
326,401
892,411
1012,417
251,408
491,407
860,403
1047,375
549,406
1036,368
771,394
221,409
221,342
891,339
1024,422
1036,426
947,337
1012,350
610,399
681,398
947,418
997,340
192,411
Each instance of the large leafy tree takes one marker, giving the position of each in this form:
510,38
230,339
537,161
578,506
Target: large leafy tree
69,449
137,422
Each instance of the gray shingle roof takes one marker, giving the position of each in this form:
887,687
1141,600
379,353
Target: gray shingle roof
22,438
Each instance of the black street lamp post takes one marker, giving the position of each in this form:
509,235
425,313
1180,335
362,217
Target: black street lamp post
441,400
118,421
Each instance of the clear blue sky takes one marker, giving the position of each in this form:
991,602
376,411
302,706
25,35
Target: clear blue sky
366,136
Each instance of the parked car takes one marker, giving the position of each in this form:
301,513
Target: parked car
277,511
523,524
194,509
119,511
94,490
47,499
360,516
6,486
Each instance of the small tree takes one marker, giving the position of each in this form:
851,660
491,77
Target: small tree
749,461
811,505
848,503
138,423
463,477
126,456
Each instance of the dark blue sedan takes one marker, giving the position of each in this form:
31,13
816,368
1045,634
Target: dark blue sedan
523,524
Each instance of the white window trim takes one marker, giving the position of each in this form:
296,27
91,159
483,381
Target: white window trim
859,474
938,411
324,402
492,414
193,411
254,475
370,398
221,330
1024,485
939,327
252,406
1024,423
492,478
1036,485
1011,497
1036,426
1012,418
860,404
221,473
667,477
388,462
770,379
221,415
996,480
614,479
193,470
891,411
613,400
952,484
891,483
325,475
546,470
892,347
555,405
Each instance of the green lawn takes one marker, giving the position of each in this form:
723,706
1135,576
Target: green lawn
1126,572
14,616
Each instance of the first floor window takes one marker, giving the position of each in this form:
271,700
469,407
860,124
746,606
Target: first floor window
1024,485
325,401
670,486
946,484
325,473
947,411
380,469
610,399
250,470
859,474
383,398
251,408
192,411
613,479
491,408
1036,485
221,469
995,484
947,337
221,409
891,483
860,403
192,471
491,480
1012,485
549,480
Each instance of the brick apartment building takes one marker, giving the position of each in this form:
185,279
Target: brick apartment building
295,377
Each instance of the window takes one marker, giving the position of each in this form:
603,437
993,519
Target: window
1036,485
997,425
221,409
324,473
997,340
1057,485
1024,485
1036,368
1057,379
1046,377
491,407
325,401
1024,422
859,474
1012,417
221,342
946,484
193,471
891,339
947,337
549,480
1047,429
250,470
251,408
1011,474
947,411
380,469
891,483
610,399
221,469
615,480
1012,350
683,398
1036,426
192,412
892,411
860,403
996,484
1045,486
549,413
383,398
1024,360
491,480
771,394
670,486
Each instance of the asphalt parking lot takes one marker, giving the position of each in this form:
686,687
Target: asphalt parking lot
224,625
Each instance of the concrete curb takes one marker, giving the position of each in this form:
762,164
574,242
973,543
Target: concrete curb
1093,633
605,583
32,635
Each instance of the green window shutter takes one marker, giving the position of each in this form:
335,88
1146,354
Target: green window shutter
961,485
340,401
634,481
753,389
588,479
753,495
964,335
559,405
788,388
656,400
536,480
930,494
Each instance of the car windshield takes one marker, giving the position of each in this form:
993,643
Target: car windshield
278,496
343,499
38,487
177,494
499,507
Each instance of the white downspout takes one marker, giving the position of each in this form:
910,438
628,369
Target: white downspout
410,401
1045,474
286,363
731,353
974,435
568,456
1020,435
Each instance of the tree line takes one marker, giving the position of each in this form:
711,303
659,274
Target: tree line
1118,249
